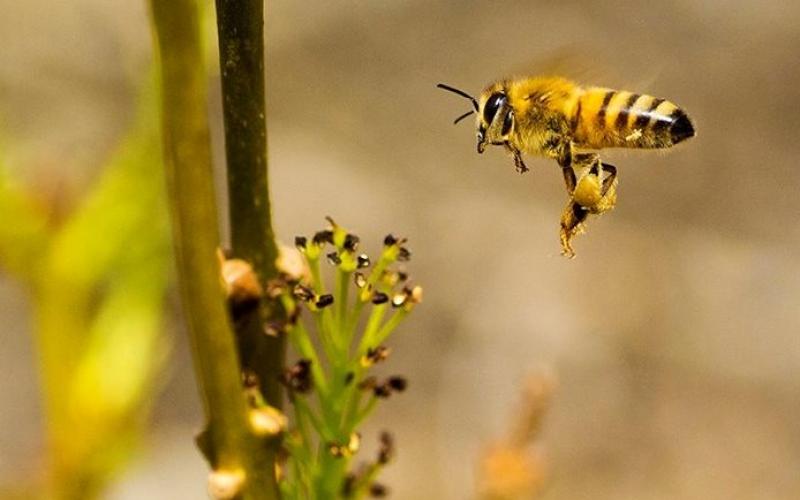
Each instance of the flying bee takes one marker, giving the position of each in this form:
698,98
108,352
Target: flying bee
559,119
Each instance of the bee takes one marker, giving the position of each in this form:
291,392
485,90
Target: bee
556,118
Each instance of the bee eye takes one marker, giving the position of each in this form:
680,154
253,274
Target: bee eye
492,105
507,122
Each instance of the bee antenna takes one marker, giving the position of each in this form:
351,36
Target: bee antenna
461,93
462,117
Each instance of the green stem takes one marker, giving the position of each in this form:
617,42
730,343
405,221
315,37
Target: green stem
362,487
187,152
323,319
316,276
373,324
355,315
374,338
364,413
324,336
301,453
240,26
342,290
353,398
319,425
331,474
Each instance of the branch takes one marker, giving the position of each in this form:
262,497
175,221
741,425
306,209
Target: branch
236,455
240,25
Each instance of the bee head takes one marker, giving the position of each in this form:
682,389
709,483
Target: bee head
495,116
496,119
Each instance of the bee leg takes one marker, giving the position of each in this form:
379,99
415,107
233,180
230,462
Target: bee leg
569,179
606,194
571,225
575,161
563,154
583,159
609,180
518,163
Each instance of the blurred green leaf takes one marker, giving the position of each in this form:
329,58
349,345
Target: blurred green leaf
98,284
23,231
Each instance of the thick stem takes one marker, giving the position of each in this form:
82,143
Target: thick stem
187,150
240,25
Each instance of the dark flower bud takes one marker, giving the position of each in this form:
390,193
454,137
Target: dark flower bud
397,383
324,301
375,355
349,484
368,383
382,391
386,449
303,293
322,237
380,298
334,259
377,490
404,254
360,280
350,242
298,377
399,299
346,450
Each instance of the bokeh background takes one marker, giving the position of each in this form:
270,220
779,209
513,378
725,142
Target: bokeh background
673,334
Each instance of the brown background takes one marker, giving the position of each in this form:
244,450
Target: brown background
674,334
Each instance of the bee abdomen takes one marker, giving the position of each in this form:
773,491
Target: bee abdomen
617,118
680,127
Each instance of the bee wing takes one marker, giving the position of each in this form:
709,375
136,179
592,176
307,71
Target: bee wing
567,61
589,66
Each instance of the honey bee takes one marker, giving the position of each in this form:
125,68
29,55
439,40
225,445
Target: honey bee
556,118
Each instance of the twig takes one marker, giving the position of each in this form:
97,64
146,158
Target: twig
240,26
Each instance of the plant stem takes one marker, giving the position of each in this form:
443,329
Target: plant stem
187,151
240,26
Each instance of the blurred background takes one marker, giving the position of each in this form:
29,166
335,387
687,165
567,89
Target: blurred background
673,334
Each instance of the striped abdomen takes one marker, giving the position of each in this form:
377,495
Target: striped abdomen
617,118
